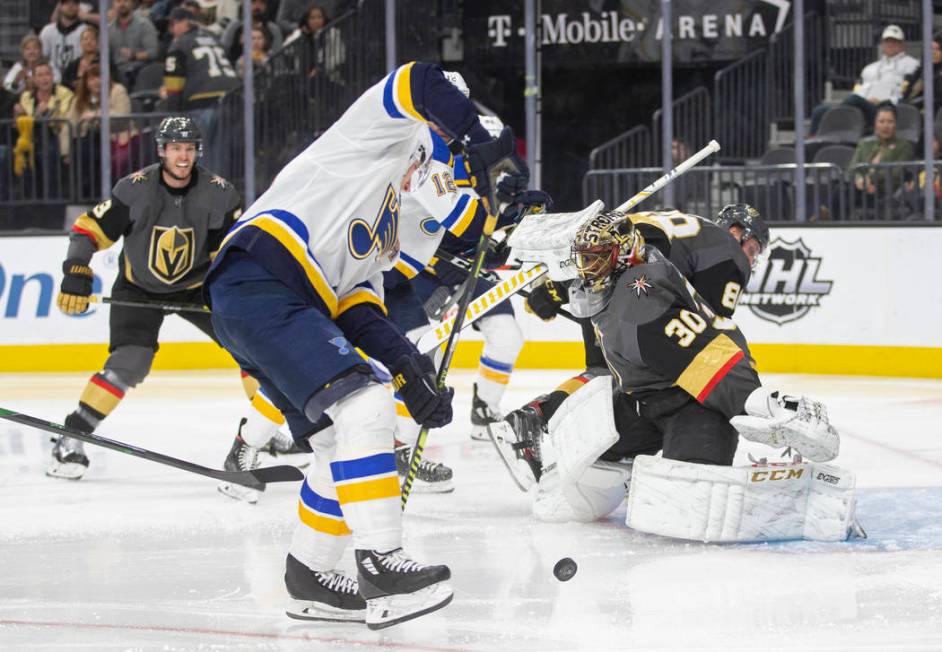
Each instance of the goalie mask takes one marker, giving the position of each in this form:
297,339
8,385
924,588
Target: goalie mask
603,246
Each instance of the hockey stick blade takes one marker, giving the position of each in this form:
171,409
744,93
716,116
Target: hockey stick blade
256,479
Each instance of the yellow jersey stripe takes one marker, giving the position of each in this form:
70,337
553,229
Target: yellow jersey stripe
404,91
387,487
320,523
264,407
358,296
90,225
706,364
496,376
462,223
290,241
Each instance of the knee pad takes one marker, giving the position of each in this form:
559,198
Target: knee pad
129,365
365,422
503,338
337,389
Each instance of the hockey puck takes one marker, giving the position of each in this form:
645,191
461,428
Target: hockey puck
564,569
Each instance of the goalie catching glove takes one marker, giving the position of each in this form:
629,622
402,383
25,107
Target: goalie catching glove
414,379
782,421
76,287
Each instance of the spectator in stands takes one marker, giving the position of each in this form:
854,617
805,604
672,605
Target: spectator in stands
60,39
260,48
912,89
197,75
8,101
232,37
48,101
323,51
20,76
88,58
883,147
880,81
84,116
132,40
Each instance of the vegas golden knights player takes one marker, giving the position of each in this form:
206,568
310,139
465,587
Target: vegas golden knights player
173,216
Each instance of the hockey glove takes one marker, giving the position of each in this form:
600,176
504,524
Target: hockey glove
511,185
76,287
496,255
449,273
484,161
781,421
546,300
414,379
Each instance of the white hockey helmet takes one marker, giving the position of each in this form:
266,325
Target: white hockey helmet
458,81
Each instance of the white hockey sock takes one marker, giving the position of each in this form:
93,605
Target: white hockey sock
262,421
502,343
322,533
364,468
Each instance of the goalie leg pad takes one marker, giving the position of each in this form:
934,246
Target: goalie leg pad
741,504
583,428
595,495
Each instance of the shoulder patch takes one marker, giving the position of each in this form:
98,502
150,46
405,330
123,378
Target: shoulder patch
639,285
138,177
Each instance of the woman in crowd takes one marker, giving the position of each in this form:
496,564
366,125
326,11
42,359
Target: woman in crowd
20,76
323,50
84,116
48,100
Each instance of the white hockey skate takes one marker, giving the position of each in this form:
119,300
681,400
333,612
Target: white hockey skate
69,461
241,457
481,417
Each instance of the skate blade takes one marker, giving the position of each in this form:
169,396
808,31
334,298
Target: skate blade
309,610
66,470
238,492
398,608
422,487
500,434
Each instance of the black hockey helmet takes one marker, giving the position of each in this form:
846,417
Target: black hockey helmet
178,129
749,220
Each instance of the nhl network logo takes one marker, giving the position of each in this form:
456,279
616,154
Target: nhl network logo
787,286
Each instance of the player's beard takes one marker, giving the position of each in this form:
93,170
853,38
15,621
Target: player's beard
169,169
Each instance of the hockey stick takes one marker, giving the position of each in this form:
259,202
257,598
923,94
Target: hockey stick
659,183
465,264
457,321
256,479
154,305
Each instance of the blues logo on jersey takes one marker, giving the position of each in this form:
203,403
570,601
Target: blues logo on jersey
382,238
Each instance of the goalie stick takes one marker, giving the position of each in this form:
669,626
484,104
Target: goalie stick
155,305
256,479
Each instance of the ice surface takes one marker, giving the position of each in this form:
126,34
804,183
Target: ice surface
137,556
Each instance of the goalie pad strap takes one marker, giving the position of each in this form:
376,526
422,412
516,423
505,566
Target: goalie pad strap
583,428
740,504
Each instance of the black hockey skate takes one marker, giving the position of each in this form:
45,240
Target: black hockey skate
517,440
398,589
68,455
431,478
481,417
241,457
322,595
283,445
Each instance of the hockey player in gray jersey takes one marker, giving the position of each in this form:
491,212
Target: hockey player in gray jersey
716,258
693,390
173,216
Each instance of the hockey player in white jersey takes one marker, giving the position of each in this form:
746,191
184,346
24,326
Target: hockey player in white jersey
296,287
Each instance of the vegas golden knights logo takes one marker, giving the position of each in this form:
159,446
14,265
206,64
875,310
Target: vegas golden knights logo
171,253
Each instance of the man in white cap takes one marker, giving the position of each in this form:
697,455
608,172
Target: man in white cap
880,81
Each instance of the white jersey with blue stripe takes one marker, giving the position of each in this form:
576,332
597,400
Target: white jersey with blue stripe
335,208
438,205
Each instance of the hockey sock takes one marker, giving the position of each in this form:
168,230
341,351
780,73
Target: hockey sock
322,533
364,468
549,403
262,421
249,385
502,343
100,397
